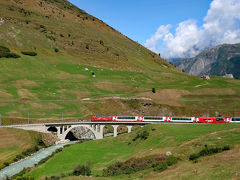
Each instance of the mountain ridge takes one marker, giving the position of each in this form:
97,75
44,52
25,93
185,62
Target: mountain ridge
220,60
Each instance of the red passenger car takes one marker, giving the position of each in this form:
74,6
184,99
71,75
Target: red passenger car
211,120
101,118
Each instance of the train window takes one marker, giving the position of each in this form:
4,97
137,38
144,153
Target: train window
181,119
235,119
153,118
126,117
219,119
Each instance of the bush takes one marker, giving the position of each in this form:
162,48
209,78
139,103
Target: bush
171,160
194,156
101,42
87,46
29,53
153,90
42,26
82,170
143,135
9,55
6,164
56,50
163,166
4,49
159,163
225,148
208,151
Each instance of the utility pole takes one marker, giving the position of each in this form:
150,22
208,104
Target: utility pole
28,118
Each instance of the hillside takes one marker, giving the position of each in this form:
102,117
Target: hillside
75,66
218,61
181,140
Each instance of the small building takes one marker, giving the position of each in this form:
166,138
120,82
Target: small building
206,77
228,76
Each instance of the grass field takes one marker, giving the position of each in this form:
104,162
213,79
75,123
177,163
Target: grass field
181,140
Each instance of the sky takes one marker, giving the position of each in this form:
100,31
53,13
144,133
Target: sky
173,28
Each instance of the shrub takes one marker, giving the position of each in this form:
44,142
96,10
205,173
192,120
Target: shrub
9,55
225,148
143,135
82,170
161,167
101,42
171,160
159,163
42,26
194,156
153,90
56,50
4,49
61,35
29,53
6,164
87,46
208,151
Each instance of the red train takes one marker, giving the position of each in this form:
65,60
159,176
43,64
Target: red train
167,119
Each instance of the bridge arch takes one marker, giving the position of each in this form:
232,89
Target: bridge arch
83,129
52,129
97,130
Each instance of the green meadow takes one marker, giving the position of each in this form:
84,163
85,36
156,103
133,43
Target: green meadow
181,140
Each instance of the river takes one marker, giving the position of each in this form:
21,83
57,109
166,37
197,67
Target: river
30,161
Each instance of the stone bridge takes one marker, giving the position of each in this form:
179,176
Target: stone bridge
63,128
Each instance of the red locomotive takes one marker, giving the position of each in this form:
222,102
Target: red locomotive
211,120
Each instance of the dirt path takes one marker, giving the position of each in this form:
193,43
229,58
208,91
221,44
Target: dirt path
202,84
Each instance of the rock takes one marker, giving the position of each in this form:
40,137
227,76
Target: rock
62,141
206,77
168,153
228,76
222,60
86,69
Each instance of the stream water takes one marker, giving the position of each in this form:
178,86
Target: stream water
30,161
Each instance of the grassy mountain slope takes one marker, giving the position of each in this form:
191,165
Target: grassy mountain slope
67,40
181,140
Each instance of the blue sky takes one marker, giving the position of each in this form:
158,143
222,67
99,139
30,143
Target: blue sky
138,19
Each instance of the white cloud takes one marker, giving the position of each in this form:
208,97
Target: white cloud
221,25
